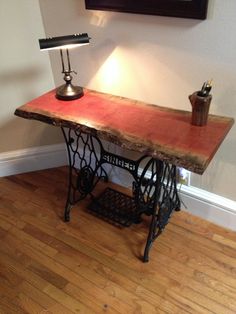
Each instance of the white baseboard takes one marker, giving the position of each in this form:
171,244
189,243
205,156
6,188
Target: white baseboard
206,205
32,159
209,206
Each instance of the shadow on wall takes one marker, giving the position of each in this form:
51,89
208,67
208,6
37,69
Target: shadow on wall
20,75
20,78
19,85
18,133
226,101
216,174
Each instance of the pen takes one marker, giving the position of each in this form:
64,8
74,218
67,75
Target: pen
206,88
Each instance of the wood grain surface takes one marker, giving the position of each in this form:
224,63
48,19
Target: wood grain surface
90,266
161,132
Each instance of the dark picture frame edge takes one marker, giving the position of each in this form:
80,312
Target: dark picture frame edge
194,9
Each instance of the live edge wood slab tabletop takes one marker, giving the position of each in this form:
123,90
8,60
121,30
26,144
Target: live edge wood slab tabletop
161,132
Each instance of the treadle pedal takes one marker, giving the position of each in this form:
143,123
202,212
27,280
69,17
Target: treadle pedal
115,207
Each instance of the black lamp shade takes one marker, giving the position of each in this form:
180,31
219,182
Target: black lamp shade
63,41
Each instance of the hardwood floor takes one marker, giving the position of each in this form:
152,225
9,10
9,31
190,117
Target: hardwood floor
90,266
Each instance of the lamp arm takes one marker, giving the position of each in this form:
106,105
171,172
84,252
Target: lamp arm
62,61
68,63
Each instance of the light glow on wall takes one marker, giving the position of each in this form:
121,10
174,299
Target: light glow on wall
110,72
114,74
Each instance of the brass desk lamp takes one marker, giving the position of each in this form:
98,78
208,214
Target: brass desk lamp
67,91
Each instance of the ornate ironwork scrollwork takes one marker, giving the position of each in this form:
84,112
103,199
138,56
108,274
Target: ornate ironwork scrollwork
85,180
157,196
85,168
146,185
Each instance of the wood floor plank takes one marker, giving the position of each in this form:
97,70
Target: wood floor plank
193,307
32,241
95,302
211,243
4,225
197,258
90,266
215,284
202,301
57,269
202,227
36,295
58,309
225,241
49,304
45,273
46,287
174,307
67,301
29,305
8,299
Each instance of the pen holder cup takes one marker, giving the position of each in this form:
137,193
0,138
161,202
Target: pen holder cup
200,109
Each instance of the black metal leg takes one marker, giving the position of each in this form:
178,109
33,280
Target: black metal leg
146,192
167,203
156,194
67,212
85,168
150,238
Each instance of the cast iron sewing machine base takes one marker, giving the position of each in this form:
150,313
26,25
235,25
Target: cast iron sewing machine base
154,186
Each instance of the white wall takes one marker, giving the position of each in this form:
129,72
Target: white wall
25,73
160,60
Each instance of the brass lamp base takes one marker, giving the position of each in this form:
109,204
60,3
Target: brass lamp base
69,92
